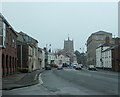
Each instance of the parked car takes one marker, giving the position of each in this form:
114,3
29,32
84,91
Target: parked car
65,65
74,65
59,67
24,70
91,67
81,65
78,67
48,67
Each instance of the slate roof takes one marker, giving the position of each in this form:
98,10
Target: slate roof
10,27
102,32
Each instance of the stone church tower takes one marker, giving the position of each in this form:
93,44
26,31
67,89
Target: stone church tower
68,45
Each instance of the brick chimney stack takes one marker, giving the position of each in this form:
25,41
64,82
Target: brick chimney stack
107,40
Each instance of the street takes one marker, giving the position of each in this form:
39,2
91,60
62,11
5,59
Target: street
72,82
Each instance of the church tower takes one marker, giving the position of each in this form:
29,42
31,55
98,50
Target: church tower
68,45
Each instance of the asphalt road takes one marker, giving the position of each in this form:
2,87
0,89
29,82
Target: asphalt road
72,82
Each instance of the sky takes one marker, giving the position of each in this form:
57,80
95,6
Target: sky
51,22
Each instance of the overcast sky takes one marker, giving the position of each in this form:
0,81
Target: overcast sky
50,22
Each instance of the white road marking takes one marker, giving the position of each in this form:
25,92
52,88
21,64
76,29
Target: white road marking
35,77
40,80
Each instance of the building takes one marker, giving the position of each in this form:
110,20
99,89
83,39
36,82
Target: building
107,56
116,40
93,42
111,58
99,55
116,56
51,58
25,57
41,58
27,52
46,55
8,48
60,59
118,19
68,45
104,57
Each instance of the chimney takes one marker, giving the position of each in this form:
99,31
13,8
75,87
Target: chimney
107,41
117,41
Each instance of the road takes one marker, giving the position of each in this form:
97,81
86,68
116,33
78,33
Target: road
72,82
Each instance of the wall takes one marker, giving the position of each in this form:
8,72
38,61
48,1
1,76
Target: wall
116,58
93,42
107,59
100,55
9,53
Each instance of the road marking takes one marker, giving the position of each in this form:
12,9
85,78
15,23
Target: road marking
40,80
69,69
35,77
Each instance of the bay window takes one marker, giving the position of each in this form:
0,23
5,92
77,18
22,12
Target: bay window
2,33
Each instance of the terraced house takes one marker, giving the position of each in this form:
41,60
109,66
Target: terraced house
27,48
8,48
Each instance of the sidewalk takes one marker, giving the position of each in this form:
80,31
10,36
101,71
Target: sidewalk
20,80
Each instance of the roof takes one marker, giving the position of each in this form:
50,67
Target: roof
101,32
20,38
22,33
10,27
110,48
105,45
29,40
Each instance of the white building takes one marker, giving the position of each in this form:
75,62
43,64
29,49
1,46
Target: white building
41,58
99,55
51,58
104,56
61,59
107,58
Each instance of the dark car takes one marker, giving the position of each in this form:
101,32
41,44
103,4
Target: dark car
48,67
91,67
65,65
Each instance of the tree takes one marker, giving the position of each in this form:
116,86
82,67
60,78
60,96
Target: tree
78,55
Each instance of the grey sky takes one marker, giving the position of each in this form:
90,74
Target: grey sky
50,23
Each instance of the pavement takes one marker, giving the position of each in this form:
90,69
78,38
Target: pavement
20,80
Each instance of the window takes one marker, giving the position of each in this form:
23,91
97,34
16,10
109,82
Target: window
6,39
25,38
13,43
99,37
2,33
10,40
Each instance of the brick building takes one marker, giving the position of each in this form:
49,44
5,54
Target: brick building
116,55
93,42
8,48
